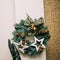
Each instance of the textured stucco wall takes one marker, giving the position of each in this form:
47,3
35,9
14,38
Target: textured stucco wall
52,19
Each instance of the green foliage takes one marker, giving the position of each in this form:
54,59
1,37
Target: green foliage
30,51
40,32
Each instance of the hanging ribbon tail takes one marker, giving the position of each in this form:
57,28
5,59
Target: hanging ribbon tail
14,52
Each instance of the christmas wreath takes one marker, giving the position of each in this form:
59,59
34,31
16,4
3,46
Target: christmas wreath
31,36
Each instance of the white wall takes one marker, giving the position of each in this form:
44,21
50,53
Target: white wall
34,8
6,27
7,20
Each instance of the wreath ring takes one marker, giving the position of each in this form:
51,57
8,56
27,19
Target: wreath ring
31,36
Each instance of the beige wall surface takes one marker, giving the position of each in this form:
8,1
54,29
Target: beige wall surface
52,19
